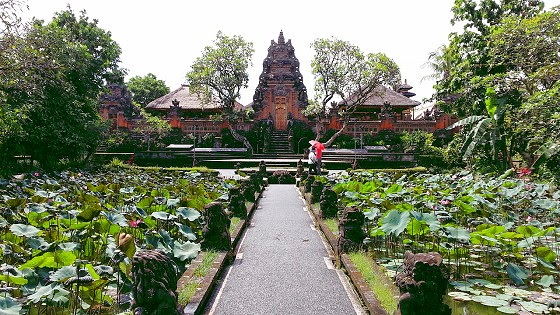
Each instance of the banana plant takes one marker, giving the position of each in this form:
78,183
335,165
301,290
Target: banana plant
487,131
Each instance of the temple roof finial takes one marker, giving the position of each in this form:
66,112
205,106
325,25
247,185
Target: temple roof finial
281,38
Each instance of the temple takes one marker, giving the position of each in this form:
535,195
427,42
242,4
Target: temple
278,101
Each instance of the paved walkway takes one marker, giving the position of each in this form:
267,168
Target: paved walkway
283,266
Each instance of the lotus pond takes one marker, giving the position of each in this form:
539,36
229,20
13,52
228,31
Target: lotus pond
499,235
67,239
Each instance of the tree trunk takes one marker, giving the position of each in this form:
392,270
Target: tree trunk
240,138
336,134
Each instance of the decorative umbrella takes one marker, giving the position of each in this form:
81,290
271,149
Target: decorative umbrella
319,147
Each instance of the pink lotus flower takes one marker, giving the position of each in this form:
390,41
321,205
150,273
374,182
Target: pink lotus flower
524,171
135,223
530,218
36,174
444,202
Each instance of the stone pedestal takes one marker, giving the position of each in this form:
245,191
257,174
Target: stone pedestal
422,284
155,284
351,232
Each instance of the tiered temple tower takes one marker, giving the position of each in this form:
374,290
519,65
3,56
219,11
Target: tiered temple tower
280,95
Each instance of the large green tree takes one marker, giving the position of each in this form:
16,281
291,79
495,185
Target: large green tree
146,89
220,73
52,76
343,72
462,91
521,67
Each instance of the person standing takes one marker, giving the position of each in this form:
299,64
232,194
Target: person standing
319,155
312,161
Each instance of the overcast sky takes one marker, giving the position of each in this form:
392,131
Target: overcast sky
165,37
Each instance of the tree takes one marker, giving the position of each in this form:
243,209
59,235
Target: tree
54,75
342,71
146,89
487,131
220,73
462,92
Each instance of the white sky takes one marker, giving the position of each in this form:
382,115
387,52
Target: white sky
165,37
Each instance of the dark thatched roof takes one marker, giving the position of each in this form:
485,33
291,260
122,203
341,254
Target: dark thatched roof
383,94
186,100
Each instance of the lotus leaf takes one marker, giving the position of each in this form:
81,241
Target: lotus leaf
126,190
533,307
516,273
546,281
395,222
172,202
63,274
186,251
89,213
165,216
116,218
17,280
546,254
190,214
489,300
24,230
460,296
507,310
546,204
372,213
53,292
9,306
186,231
457,233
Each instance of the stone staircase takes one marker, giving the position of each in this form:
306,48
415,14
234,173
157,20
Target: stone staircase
279,144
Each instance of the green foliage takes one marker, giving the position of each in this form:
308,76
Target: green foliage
220,73
342,70
51,79
146,89
67,224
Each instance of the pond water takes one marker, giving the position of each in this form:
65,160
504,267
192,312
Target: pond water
469,308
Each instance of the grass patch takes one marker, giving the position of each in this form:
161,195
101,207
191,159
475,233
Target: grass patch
198,275
235,221
332,224
382,287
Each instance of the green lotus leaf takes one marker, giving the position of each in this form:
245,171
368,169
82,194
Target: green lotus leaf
546,281
457,233
460,296
395,222
536,308
63,273
126,190
24,230
89,213
186,251
53,292
68,246
186,231
37,242
190,214
546,254
546,264
17,280
165,216
516,273
64,258
507,310
546,204
173,202
116,218
489,300
37,208
493,286
372,213
9,306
